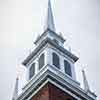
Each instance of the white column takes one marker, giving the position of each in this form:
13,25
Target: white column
73,71
36,66
62,64
27,74
48,57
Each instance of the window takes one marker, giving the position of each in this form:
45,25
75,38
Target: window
41,61
56,60
32,71
67,68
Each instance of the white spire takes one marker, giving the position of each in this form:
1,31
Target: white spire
49,20
15,94
85,82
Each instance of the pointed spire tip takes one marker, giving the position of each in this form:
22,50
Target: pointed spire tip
49,20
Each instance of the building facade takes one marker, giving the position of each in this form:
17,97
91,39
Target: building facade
50,69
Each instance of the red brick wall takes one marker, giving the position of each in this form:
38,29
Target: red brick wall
57,94
50,92
43,94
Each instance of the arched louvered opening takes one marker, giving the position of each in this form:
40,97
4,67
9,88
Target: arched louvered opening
56,61
41,61
32,71
67,67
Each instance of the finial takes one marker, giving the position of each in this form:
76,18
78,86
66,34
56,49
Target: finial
15,94
85,82
18,75
17,78
49,20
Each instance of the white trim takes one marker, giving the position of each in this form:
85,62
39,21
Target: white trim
37,55
61,61
58,77
65,90
65,77
59,86
61,53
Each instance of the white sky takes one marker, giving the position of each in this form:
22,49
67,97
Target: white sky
22,20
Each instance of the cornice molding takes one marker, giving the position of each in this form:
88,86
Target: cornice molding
45,34
48,73
49,41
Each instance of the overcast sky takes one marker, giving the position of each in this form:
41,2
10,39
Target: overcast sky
21,21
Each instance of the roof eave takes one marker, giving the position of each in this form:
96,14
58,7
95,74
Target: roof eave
45,32
44,42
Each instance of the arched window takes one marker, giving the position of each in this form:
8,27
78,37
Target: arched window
56,60
67,68
32,71
41,61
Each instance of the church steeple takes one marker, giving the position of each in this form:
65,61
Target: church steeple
49,30
51,69
49,24
15,94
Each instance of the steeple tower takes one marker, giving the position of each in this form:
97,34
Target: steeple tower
49,20
85,82
51,69
15,94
